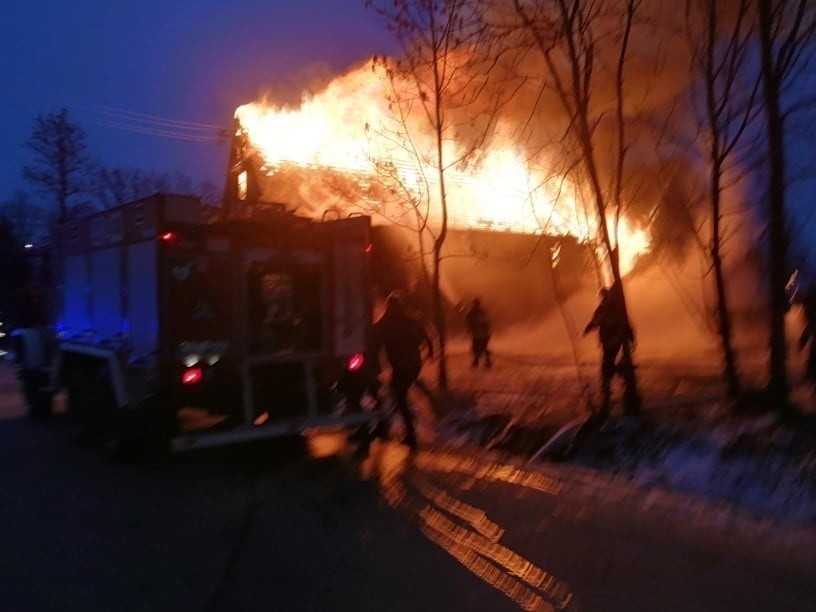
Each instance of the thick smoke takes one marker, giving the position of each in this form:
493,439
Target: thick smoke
669,292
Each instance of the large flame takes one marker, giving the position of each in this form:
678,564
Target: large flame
350,129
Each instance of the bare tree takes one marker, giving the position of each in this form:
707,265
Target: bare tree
570,36
409,204
720,36
113,186
26,220
60,166
441,43
786,38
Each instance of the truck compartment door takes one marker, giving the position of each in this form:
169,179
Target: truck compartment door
351,315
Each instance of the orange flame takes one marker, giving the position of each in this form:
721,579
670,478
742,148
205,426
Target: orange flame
350,127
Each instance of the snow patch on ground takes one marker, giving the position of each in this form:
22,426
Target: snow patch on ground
769,480
754,464
688,442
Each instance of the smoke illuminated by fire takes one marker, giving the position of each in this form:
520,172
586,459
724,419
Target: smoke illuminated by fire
349,129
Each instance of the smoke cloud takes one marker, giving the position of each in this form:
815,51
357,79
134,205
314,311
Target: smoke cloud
334,147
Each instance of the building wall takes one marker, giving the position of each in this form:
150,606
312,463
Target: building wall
511,273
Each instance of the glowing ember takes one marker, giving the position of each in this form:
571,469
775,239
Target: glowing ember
358,158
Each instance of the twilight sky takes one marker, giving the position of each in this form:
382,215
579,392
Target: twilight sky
189,60
193,61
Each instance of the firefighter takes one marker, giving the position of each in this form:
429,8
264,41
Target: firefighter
479,326
614,330
401,337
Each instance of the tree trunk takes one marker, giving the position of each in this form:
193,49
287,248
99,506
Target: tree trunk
439,320
439,123
730,374
632,397
775,125
439,306
578,45
62,170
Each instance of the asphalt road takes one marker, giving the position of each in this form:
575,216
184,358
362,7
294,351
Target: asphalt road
303,526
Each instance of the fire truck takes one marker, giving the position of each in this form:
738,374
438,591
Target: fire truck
203,334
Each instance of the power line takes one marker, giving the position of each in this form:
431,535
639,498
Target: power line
150,119
151,125
153,131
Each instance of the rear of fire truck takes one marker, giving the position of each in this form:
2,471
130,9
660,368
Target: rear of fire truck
208,334
264,316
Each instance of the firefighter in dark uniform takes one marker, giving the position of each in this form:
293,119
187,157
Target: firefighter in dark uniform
401,337
614,330
479,326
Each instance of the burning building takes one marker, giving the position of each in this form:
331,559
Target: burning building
514,228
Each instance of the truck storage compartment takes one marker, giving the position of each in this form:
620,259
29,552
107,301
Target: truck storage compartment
286,304
280,391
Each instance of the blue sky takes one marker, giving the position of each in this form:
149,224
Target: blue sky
191,60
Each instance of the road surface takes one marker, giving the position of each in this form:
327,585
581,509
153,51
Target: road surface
304,526
271,527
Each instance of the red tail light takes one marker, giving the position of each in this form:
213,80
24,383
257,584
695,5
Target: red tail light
192,376
355,362
168,237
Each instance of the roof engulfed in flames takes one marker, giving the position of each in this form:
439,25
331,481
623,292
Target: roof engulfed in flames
343,148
